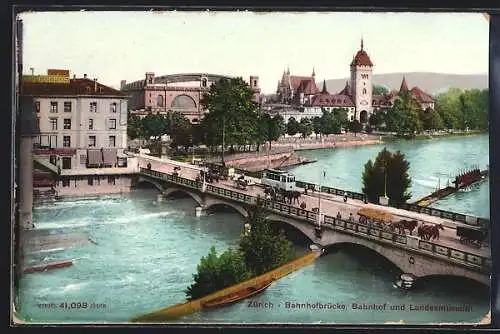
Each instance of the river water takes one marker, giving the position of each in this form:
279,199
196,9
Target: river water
146,253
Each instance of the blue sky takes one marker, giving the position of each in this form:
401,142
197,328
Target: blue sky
112,46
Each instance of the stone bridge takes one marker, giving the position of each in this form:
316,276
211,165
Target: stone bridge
409,253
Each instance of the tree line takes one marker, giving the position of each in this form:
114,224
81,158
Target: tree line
455,109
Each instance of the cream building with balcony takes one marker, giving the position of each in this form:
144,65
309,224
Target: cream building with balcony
83,134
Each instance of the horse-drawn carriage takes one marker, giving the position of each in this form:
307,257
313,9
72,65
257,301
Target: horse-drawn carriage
369,216
472,236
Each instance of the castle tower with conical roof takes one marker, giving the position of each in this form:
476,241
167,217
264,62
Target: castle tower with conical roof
361,84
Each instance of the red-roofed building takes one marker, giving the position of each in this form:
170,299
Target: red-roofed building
82,128
303,97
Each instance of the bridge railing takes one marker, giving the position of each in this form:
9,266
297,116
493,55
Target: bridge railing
371,232
365,231
459,217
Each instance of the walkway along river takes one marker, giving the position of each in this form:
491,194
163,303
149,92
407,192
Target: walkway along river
146,253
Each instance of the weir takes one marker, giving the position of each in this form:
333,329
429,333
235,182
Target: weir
461,181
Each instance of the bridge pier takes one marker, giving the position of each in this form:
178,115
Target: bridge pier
159,198
200,211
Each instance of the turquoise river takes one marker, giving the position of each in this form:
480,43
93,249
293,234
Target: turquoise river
147,252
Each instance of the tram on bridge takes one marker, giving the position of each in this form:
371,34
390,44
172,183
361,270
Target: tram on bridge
279,179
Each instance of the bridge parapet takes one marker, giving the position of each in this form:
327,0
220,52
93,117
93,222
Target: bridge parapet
466,259
413,243
462,218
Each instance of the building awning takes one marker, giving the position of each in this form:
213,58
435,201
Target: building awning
94,157
109,156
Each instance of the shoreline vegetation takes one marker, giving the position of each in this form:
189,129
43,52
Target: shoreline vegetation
283,154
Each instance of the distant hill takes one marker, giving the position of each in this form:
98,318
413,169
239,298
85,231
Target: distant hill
432,83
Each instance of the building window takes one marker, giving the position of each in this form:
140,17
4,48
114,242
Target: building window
204,82
364,90
91,124
66,163
53,107
83,159
53,124
65,182
67,106
112,124
159,101
113,107
66,141
67,124
112,141
90,180
93,106
38,123
92,141
255,83
111,180
37,106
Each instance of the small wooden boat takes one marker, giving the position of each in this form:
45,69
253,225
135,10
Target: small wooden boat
238,295
47,266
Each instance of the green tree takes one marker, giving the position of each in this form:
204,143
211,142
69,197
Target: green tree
263,248
134,127
387,175
448,106
306,127
379,90
355,126
232,116
155,126
276,128
376,119
217,272
317,126
431,120
292,127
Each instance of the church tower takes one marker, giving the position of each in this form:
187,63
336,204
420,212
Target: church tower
361,84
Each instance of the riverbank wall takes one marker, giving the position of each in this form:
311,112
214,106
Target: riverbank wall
256,163
180,310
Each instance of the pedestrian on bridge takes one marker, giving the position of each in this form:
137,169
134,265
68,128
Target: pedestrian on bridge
351,218
339,216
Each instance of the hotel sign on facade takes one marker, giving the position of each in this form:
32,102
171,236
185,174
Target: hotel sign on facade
53,76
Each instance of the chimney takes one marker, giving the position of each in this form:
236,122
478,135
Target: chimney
74,76
95,85
85,76
32,71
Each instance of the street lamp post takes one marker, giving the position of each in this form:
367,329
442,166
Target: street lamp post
384,200
319,196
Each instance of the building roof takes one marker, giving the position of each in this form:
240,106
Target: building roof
324,90
421,96
404,85
346,90
307,87
361,58
295,81
332,100
75,87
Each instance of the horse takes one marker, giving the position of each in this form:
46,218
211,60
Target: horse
403,225
427,232
294,196
434,231
410,225
398,225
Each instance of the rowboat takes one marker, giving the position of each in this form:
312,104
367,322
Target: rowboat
238,295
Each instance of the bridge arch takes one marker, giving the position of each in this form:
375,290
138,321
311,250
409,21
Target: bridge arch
211,202
408,261
157,184
171,190
303,227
